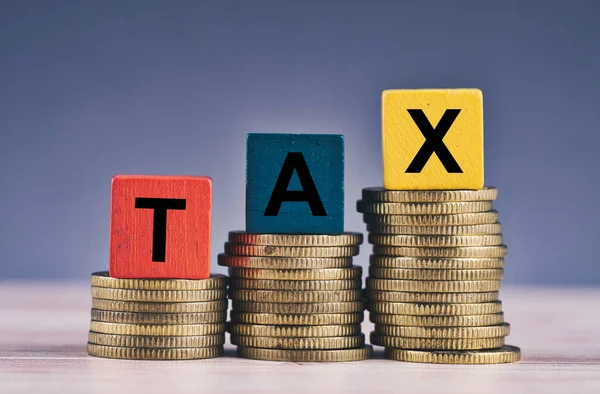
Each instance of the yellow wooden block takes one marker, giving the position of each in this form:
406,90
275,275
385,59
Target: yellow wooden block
432,139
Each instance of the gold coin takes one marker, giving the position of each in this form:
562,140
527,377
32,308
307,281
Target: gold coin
380,194
437,321
326,343
290,251
295,296
472,251
102,279
500,330
437,344
461,219
346,239
376,291
294,263
157,329
257,330
159,307
435,263
306,356
406,308
158,295
295,285
428,241
158,318
138,341
131,353
440,286
422,208
322,319
443,274
301,308
475,229
314,274
504,354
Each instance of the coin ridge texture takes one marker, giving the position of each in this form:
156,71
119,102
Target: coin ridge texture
460,219
157,329
290,251
294,263
473,229
420,309
471,251
500,330
348,342
504,354
312,274
159,307
422,208
436,344
437,321
345,239
158,295
450,241
141,341
102,279
435,263
321,319
374,293
340,355
431,274
295,296
299,308
380,194
158,318
294,285
262,330
443,286
154,353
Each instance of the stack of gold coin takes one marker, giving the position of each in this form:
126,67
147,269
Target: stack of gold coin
157,319
434,275
295,297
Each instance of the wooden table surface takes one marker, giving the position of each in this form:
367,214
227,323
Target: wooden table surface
43,332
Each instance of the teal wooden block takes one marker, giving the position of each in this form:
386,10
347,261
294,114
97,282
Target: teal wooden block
295,183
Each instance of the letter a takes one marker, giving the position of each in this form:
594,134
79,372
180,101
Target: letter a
309,193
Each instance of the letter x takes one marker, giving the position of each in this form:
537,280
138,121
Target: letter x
433,141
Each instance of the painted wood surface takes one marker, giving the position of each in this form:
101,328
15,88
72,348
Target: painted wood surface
295,183
432,139
43,330
160,227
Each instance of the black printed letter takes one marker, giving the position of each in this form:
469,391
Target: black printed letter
159,231
309,193
433,141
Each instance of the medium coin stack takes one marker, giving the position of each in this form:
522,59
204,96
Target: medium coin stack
434,276
157,319
295,297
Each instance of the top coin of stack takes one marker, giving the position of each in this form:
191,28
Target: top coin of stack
434,275
295,297
157,319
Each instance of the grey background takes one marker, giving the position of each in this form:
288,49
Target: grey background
89,89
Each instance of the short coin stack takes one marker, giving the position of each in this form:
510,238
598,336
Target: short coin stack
295,297
157,319
434,276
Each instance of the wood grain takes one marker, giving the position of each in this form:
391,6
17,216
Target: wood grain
43,330
144,244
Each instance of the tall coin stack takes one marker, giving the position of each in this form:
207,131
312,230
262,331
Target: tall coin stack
296,297
434,276
157,319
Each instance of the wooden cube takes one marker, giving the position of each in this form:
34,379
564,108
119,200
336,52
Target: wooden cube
160,227
432,139
295,183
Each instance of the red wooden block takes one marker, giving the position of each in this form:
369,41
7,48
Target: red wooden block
160,227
